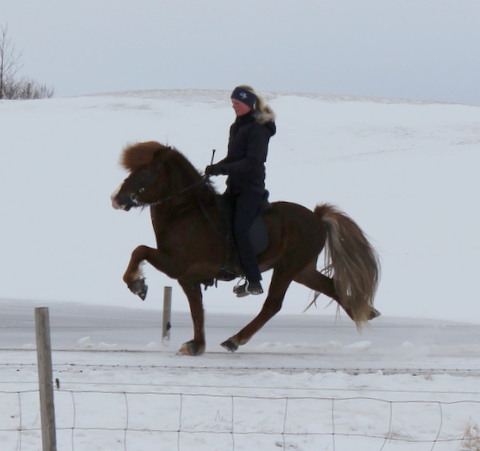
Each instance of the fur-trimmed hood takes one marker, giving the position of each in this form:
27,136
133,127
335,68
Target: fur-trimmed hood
267,115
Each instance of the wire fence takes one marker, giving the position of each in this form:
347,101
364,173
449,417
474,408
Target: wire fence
152,417
143,421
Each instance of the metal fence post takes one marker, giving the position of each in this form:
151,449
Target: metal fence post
45,379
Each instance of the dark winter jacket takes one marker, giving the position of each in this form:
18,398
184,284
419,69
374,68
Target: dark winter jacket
247,152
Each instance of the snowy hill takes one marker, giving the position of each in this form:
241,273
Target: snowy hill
405,171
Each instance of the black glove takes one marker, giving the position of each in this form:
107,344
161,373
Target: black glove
216,169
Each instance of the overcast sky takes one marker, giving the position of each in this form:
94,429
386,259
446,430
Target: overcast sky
414,49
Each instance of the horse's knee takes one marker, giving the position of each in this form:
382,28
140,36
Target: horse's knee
133,271
139,253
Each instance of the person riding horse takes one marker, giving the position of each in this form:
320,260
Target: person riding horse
186,219
245,167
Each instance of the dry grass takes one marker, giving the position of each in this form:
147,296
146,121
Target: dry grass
471,440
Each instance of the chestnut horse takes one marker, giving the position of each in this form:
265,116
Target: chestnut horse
191,246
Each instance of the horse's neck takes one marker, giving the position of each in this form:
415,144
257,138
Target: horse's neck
194,203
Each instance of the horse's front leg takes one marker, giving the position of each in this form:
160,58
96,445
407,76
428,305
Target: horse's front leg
194,294
133,276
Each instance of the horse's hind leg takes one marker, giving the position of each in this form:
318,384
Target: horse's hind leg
273,304
315,280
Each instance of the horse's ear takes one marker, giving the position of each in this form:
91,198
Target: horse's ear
157,158
162,157
164,154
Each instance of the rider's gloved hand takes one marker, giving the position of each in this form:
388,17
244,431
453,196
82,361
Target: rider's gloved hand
216,169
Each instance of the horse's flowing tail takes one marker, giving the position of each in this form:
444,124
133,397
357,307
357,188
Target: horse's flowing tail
352,263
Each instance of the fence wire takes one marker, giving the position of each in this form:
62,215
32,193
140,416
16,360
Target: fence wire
140,421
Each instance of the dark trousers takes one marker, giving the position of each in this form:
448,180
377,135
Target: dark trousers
246,207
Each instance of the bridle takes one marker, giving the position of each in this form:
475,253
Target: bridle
150,179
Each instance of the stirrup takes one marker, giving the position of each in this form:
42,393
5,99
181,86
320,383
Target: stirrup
247,288
239,288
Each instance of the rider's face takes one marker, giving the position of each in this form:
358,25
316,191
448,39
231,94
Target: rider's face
240,107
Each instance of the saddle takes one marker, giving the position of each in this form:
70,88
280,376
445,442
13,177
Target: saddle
258,237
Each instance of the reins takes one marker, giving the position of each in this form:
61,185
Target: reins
204,179
152,177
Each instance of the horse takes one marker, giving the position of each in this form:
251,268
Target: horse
192,248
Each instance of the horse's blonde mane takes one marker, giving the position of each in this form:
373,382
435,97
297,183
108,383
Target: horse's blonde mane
137,155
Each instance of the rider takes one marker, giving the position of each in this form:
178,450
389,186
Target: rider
245,167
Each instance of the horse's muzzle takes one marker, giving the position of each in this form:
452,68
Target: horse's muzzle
116,204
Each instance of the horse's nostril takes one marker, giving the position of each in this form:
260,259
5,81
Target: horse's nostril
115,204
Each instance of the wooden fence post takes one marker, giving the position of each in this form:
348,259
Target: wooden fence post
45,379
167,313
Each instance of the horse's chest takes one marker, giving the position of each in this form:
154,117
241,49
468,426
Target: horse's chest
173,239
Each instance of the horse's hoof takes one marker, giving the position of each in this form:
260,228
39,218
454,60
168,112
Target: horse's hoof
191,348
374,313
140,288
229,345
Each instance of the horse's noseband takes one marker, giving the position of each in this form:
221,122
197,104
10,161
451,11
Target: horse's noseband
134,197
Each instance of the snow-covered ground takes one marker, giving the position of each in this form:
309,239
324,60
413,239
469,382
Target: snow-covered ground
405,171
303,383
